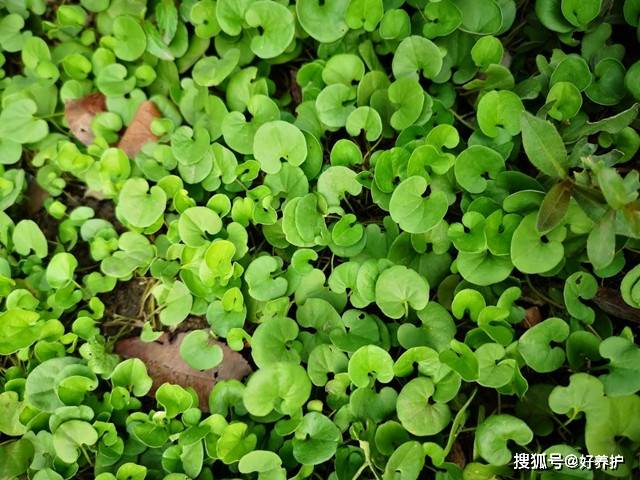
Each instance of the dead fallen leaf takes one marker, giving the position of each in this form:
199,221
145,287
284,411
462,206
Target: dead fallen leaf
296,92
457,455
35,197
95,194
610,301
139,130
532,317
79,114
164,364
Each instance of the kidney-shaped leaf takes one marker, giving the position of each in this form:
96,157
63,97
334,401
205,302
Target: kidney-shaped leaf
18,329
200,351
276,26
532,252
139,208
398,288
131,41
583,394
406,462
417,55
500,109
416,207
417,414
279,140
493,435
475,162
624,367
316,439
370,362
70,436
282,386
535,345
323,20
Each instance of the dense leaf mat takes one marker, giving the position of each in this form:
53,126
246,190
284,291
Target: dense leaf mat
330,239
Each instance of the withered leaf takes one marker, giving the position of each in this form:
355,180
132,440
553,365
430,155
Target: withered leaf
80,112
35,197
532,317
164,364
139,130
610,302
457,455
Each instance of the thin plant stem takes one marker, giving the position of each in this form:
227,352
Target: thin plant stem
461,119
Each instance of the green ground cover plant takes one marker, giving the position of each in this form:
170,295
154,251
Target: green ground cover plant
324,239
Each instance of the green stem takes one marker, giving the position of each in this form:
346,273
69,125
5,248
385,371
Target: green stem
86,455
571,419
241,184
542,295
367,458
458,424
560,423
53,115
362,468
593,330
461,119
348,204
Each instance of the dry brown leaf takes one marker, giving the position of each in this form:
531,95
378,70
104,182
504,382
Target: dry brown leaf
610,301
164,364
532,317
139,130
457,455
79,115
35,197
296,92
94,194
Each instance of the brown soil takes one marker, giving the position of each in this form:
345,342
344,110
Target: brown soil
103,208
126,299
